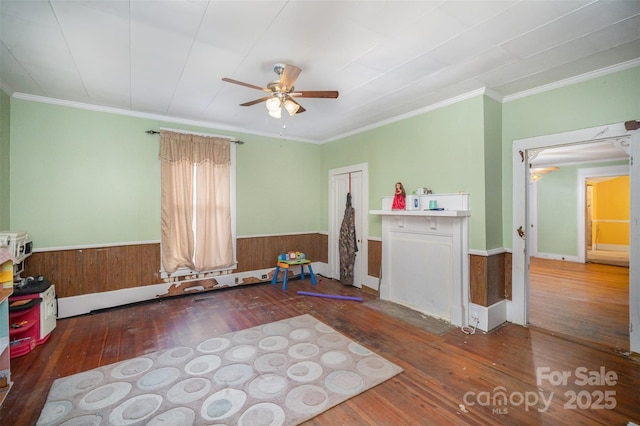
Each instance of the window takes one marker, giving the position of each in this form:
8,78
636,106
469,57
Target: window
197,203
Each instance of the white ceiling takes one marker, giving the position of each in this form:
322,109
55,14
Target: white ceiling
388,59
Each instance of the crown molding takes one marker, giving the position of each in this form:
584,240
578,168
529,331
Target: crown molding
573,80
484,91
145,115
428,108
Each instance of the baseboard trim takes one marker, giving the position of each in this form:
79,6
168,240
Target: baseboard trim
554,256
87,303
489,317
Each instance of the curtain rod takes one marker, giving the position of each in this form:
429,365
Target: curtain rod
155,132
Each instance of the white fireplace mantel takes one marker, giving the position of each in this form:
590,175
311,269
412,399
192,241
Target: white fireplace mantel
425,265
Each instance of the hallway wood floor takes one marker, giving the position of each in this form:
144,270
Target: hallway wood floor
448,379
581,300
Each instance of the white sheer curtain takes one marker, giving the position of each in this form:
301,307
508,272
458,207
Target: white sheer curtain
195,202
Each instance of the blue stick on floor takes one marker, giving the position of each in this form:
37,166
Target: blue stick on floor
330,296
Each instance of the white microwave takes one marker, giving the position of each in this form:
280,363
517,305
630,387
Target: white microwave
17,243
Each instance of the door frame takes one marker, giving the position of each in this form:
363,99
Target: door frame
518,307
363,217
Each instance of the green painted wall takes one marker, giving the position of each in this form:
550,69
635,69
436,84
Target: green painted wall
558,212
81,177
613,98
84,177
493,172
442,150
278,186
557,209
5,139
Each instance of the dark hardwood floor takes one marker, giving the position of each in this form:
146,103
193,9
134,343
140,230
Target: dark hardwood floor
453,378
581,300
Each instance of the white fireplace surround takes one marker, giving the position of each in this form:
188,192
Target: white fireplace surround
425,264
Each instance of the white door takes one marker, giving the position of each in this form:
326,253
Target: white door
341,182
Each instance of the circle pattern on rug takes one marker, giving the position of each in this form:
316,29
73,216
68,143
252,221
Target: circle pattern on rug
135,409
267,386
303,321
131,368
304,371
241,353
324,328
233,375
358,349
300,334
263,414
303,350
175,355
374,367
202,365
336,359
78,383
216,344
158,378
280,328
332,340
307,399
223,404
344,382
247,336
54,411
273,343
189,390
104,396
270,363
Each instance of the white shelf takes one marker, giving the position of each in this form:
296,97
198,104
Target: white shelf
425,213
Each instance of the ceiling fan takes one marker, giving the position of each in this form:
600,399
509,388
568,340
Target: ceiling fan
282,93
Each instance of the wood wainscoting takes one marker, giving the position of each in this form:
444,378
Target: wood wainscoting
489,278
76,272
375,257
486,279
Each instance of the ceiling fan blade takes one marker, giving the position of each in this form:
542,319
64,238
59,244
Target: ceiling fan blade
289,77
315,94
255,101
241,83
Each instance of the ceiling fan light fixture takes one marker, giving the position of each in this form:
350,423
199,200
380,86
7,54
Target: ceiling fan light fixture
291,106
276,114
273,104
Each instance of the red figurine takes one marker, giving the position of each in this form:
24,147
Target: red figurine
399,198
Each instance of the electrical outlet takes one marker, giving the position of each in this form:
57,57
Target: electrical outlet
475,312
264,276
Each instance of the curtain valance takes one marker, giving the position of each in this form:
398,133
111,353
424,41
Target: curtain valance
194,148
